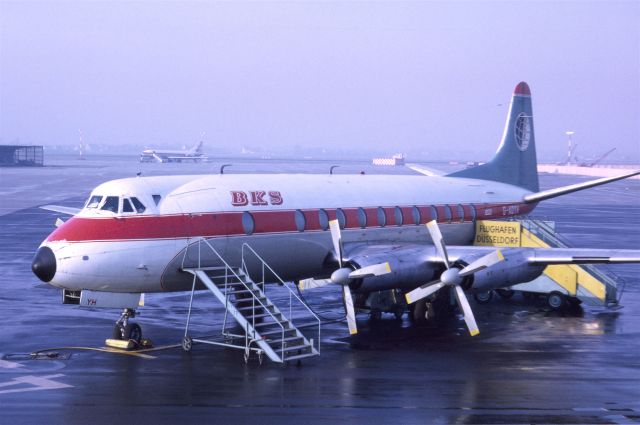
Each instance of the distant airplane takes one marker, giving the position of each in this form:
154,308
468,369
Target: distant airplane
156,155
359,233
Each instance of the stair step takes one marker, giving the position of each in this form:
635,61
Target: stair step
277,331
243,291
263,324
299,356
258,316
295,347
269,307
274,342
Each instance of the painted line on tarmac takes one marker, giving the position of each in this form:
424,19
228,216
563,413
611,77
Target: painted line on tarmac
37,383
5,364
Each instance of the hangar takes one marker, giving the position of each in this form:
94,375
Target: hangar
21,155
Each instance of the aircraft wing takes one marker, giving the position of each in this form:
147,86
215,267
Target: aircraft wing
61,209
418,255
550,256
545,256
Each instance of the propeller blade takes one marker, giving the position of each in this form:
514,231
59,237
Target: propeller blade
313,283
348,306
336,237
372,270
438,241
423,291
482,263
463,303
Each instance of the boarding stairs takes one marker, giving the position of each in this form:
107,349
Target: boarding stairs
595,286
613,285
265,328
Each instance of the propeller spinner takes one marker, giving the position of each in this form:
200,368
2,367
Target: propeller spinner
452,277
344,275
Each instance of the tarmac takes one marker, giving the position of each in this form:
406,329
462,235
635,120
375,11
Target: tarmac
528,365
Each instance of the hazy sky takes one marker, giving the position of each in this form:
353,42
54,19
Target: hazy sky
395,76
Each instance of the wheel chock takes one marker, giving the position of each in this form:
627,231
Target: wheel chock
121,344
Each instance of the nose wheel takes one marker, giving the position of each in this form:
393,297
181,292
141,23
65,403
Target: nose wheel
126,330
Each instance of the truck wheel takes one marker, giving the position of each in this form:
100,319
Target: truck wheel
556,301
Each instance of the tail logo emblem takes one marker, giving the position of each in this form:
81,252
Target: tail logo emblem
522,131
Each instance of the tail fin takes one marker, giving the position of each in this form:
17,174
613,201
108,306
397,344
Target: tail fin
515,161
197,148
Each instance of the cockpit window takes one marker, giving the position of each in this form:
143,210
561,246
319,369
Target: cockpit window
94,201
111,204
139,206
156,198
126,206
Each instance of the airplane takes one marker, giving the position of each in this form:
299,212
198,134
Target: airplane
361,233
193,154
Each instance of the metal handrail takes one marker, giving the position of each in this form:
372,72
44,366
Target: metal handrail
229,268
292,294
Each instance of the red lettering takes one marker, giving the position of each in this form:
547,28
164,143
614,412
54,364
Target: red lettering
275,198
257,197
238,199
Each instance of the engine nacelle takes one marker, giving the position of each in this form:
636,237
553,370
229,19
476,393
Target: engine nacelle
409,268
512,271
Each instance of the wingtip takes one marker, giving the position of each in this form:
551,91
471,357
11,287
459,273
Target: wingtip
474,332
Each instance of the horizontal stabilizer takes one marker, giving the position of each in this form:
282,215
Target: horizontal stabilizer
552,193
424,170
61,209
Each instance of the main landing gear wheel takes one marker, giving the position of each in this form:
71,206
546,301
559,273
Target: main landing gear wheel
187,343
125,330
505,293
483,297
130,331
556,301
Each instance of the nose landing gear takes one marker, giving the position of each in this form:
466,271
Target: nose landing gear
124,330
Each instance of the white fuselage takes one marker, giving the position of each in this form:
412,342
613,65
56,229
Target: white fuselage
115,245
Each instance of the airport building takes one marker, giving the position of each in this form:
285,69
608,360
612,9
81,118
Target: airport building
21,155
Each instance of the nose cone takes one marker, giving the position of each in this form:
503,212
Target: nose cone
44,264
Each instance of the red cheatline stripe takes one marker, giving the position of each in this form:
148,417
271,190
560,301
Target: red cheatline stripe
83,229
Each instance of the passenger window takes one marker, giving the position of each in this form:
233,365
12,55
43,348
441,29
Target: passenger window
248,224
434,213
382,217
301,222
324,219
111,204
126,206
415,212
94,202
342,219
460,213
398,216
139,206
447,213
362,218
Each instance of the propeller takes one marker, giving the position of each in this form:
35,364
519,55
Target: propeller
344,275
452,277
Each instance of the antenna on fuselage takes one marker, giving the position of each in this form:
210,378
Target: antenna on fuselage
332,167
223,166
